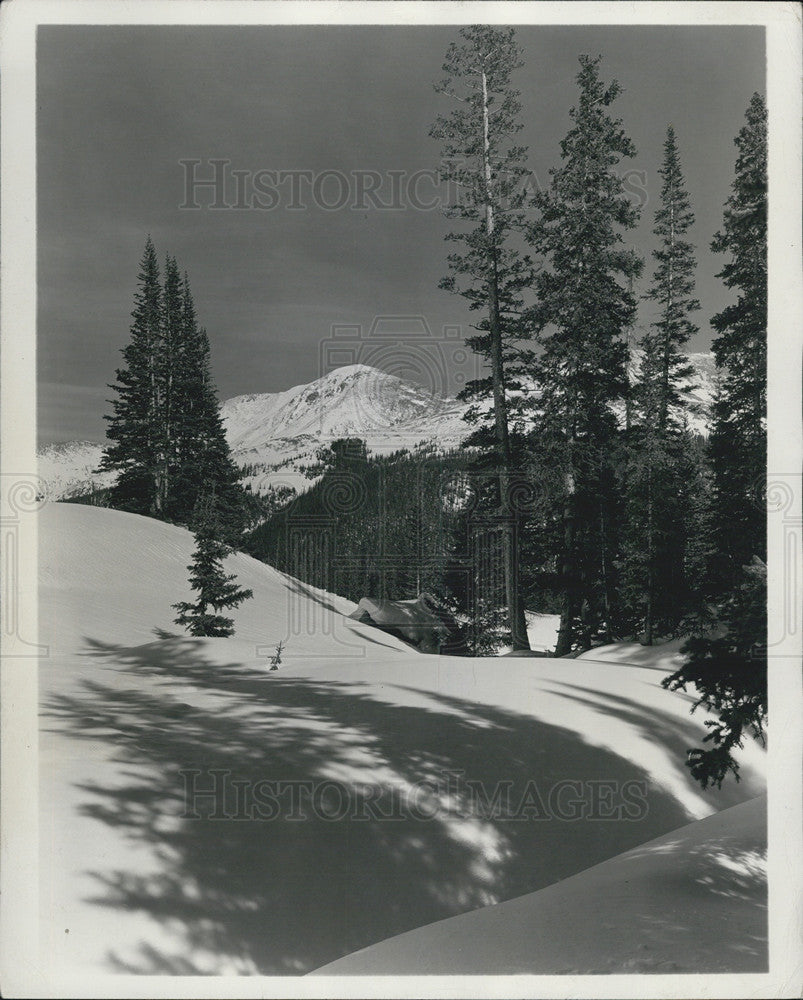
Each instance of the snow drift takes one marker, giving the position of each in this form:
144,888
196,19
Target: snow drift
201,814
694,900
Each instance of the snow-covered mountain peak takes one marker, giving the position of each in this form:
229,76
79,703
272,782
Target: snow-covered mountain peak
352,401
274,435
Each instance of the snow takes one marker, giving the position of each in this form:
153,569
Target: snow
70,469
692,901
279,432
542,631
129,883
698,389
114,575
283,430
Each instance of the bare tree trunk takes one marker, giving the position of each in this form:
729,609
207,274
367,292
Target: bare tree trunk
607,587
628,402
649,612
664,407
568,610
154,429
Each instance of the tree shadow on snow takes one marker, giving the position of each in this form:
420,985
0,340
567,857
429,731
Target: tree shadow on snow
289,895
674,735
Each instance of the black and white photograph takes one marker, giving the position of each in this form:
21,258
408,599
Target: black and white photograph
401,448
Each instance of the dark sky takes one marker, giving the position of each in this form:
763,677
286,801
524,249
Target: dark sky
120,107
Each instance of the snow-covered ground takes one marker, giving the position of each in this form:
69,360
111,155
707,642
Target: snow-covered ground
694,900
409,751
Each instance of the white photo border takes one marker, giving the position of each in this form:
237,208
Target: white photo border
22,975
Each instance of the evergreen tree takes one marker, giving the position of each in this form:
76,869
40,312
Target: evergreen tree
190,384
728,670
391,521
340,455
216,590
665,367
659,445
738,440
133,427
172,328
583,310
167,437
727,659
485,167
209,457
203,457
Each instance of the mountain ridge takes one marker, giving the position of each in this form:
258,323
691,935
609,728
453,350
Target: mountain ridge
273,436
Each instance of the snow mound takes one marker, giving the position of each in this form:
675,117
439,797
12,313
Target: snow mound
409,788
664,656
692,901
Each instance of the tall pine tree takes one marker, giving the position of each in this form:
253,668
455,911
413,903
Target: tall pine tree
197,432
727,657
484,166
166,433
660,448
583,310
168,364
738,440
211,460
134,430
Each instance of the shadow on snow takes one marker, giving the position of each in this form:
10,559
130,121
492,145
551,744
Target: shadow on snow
290,896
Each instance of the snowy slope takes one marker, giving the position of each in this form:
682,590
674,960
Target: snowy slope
692,901
143,886
278,433
111,575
